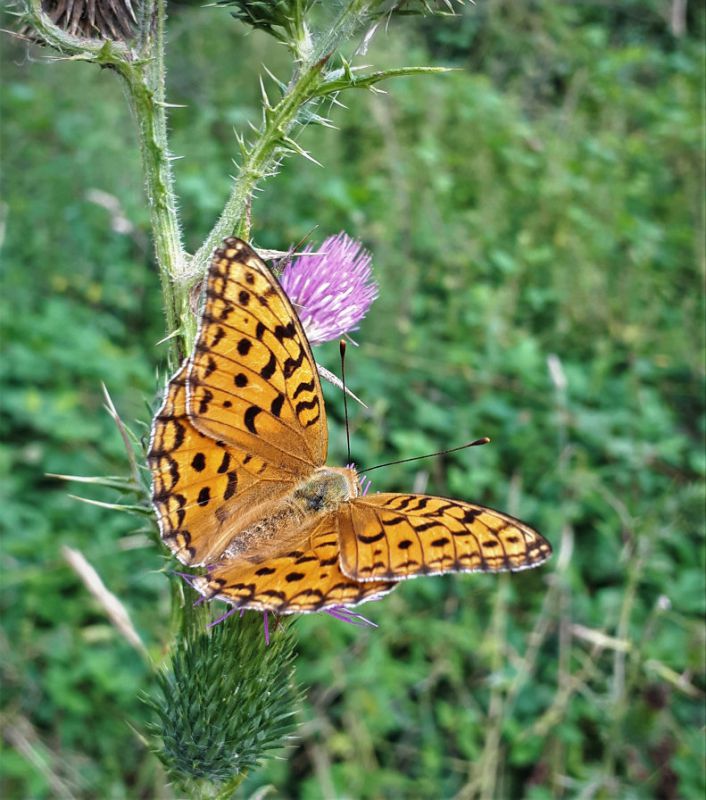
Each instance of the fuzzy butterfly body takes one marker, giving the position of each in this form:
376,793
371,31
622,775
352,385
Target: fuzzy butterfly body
240,486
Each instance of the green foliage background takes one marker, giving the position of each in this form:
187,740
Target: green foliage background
536,221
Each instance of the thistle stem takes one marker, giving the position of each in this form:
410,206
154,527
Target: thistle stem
281,121
146,80
259,160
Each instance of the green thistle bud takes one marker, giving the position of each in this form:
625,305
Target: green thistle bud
279,18
225,701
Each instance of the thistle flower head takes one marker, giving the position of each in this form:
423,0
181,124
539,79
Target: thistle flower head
331,290
108,19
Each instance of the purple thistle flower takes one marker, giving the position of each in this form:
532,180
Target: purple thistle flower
331,290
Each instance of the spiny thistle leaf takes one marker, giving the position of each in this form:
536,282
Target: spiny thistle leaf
225,700
351,78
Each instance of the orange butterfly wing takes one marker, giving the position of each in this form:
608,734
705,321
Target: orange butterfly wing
301,579
200,487
243,419
396,536
252,381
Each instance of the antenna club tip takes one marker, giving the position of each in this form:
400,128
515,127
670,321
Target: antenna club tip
482,440
342,346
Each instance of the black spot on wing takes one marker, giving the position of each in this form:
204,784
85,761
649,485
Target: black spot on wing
291,365
225,463
370,539
249,418
303,405
210,367
232,485
217,336
269,369
404,503
276,407
173,472
303,386
304,559
205,400
283,332
440,542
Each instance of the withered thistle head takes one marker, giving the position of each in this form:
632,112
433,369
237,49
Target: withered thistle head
93,19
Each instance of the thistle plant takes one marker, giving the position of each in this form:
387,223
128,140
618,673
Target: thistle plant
225,699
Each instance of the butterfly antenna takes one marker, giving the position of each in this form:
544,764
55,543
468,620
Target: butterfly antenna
476,443
342,349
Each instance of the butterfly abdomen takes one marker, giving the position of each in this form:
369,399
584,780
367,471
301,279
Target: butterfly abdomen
274,524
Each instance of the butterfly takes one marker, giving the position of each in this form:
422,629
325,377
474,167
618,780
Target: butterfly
240,483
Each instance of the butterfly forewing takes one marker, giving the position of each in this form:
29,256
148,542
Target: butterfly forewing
306,577
396,536
252,381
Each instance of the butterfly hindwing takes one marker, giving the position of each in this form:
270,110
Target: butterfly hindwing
252,381
396,536
305,576
200,487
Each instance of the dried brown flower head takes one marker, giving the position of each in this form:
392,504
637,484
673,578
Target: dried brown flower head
93,19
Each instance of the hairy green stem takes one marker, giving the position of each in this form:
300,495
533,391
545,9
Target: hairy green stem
143,71
146,80
280,123
259,161
352,17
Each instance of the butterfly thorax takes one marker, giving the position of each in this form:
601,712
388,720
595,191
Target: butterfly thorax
283,520
327,488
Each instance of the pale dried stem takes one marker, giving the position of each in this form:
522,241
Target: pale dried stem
114,609
110,407
20,734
